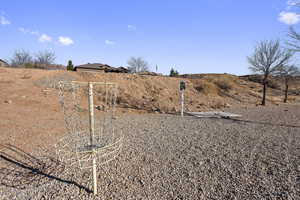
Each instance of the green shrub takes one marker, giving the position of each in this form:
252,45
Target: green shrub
173,72
70,66
29,65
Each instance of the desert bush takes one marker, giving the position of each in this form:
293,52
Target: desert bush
205,87
29,65
293,99
255,78
218,104
273,84
224,83
52,81
26,76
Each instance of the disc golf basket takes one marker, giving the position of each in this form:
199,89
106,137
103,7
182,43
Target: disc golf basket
89,113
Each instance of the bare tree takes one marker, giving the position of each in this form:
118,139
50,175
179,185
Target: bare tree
294,40
20,58
294,36
137,65
268,56
45,57
287,72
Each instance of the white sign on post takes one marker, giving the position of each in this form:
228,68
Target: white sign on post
182,88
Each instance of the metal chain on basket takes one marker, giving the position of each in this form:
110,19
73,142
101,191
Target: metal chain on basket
74,145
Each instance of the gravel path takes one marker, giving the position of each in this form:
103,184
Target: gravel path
167,157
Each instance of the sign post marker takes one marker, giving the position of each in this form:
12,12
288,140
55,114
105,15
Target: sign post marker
182,88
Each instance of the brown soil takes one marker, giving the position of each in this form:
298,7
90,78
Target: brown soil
164,156
30,110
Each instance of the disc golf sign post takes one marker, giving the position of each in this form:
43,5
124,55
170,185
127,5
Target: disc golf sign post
91,139
182,89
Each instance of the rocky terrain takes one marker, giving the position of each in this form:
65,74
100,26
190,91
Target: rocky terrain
169,157
164,156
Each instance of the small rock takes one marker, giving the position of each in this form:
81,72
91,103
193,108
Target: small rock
227,105
141,182
100,107
8,101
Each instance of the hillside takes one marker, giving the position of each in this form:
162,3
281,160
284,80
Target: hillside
165,146
27,87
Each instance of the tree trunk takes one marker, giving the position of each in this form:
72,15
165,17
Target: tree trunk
264,93
265,82
286,91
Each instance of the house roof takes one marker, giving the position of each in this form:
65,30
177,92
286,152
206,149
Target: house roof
93,66
99,66
3,61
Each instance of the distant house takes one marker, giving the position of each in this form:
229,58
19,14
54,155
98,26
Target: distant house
98,67
3,63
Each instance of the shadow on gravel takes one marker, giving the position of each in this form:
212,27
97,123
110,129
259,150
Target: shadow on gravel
21,170
251,122
262,123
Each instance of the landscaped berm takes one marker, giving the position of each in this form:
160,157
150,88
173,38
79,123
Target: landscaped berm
164,155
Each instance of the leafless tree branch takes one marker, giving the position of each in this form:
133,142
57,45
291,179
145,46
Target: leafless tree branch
20,58
45,57
287,72
137,65
267,58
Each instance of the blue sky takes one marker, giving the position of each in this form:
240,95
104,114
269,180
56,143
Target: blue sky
194,36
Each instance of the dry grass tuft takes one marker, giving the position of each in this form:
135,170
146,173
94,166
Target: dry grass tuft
224,83
212,85
205,87
52,81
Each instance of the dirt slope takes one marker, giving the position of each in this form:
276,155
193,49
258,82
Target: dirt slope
30,109
30,87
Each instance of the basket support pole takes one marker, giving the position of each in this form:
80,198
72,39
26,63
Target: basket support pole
92,133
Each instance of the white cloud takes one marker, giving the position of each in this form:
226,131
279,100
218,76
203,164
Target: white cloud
66,41
4,21
25,31
289,18
109,42
45,38
291,3
131,27
34,33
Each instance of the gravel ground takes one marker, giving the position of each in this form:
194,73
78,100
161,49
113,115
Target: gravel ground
169,157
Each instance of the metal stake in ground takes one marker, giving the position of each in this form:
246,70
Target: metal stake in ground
182,88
